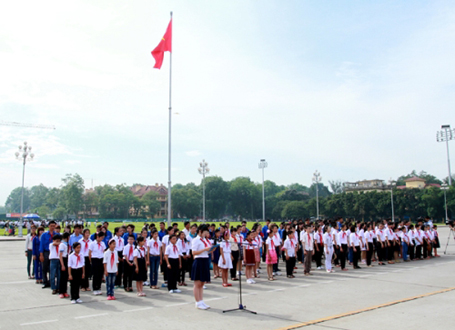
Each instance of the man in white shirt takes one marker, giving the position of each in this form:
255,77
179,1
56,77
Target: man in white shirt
306,237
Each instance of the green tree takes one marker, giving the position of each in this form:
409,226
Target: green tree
245,198
59,213
186,202
295,210
151,202
72,190
53,198
38,196
13,202
43,211
216,196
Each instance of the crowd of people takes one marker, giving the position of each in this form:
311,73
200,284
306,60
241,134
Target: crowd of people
119,258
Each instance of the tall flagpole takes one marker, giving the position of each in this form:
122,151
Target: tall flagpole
169,152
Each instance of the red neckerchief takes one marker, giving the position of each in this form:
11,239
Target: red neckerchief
56,248
175,249
78,258
99,245
86,244
205,243
120,241
112,259
130,252
183,243
155,244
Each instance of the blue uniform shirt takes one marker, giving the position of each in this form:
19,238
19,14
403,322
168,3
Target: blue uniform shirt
125,237
73,239
161,234
45,240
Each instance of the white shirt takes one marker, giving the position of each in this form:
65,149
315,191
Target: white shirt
380,233
369,236
404,237
119,243
184,247
342,237
307,241
186,231
73,263
28,242
226,246
334,233
154,247
328,240
84,247
172,251
318,238
111,264
276,239
97,249
165,241
197,245
418,237
54,251
389,234
289,246
128,252
139,252
63,249
354,239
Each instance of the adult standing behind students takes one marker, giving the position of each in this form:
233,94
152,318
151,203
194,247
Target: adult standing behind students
38,267
29,251
45,241
76,236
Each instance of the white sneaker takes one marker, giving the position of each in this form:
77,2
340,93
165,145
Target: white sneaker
146,283
100,293
253,281
177,291
274,273
171,291
278,274
319,267
250,281
201,305
73,301
79,301
95,293
204,287
204,304
259,271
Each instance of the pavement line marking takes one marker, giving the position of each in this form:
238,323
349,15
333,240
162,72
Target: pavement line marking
93,315
303,285
339,316
33,323
218,298
180,304
137,309
274,290
17,282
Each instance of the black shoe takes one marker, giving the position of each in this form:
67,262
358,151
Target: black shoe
54,291
45,286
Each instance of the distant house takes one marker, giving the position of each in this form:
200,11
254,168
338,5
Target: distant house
366,186
139,191
418,183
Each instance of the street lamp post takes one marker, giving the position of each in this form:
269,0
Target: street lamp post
392,183
263,165
316,179
203,169
444,187
446,135
25,155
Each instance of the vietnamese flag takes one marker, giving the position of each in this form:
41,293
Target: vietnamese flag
165,45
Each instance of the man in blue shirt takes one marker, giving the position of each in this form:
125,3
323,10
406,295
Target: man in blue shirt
76,236
265,229
98,229
108,233
129,231
162,231
45,241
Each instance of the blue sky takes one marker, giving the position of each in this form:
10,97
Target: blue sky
355,89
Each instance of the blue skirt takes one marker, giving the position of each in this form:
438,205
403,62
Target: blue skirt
200,270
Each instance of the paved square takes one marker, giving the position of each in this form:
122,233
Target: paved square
285,303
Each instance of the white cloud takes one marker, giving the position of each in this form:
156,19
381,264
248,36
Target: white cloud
193,153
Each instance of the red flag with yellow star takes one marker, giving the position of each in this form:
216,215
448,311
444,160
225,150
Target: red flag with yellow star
165,45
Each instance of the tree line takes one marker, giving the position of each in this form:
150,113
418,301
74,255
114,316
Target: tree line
239,197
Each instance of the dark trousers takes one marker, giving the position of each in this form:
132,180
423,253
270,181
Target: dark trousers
380,250
300,254
173,274
290,264
275,266
411,250
118,278
336,250
307,262
128,275
182,270
418,251
97,271
46,267
356,256
64,278
318,255
164,270
369,253
390,251
342,255
235,256
75,283
425,249
30,263
88,274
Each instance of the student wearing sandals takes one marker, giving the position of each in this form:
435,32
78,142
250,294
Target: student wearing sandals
234,252
271,257
85,243
225,262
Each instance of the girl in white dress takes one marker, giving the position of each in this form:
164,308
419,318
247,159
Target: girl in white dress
225,261
328,248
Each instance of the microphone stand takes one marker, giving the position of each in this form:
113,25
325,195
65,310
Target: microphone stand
241,306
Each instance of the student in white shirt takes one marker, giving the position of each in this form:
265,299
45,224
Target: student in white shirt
110,262
165,241
173,259
328,248
76,272
63,256
289,247
405,243
128,264
200,272
55,266
225,261
184,247
418,239
277,242
140,264
380,245
369,239
355,245
119,245
319,246
85,242
96,255
306,237
343,241
154,257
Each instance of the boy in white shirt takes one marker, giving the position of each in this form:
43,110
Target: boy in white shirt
306,237
110,262
289,249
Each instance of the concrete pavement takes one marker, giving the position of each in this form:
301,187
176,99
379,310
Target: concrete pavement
285,303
